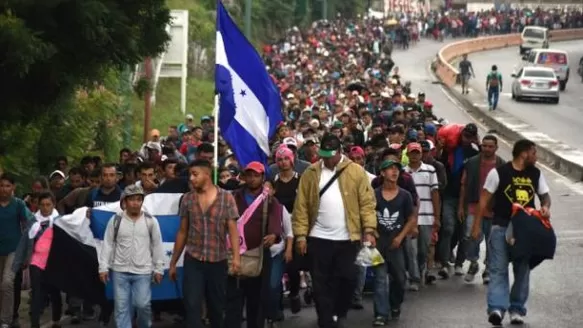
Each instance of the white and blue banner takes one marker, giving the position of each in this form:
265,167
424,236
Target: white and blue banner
164,207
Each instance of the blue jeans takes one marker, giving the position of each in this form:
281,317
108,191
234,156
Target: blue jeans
381,291
448,222
473,246
500,296
276,287
389,283
493,96
417,250
132,292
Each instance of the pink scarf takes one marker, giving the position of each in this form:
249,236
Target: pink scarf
242,221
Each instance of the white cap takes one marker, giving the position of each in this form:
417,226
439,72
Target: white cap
290,141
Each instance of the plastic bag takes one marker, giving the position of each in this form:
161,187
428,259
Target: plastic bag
369,256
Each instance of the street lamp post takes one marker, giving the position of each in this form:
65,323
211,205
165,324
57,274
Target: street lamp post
324,9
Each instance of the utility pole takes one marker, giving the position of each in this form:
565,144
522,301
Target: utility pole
148,99
324,9
248,4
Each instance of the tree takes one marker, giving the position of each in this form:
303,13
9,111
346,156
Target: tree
50,47
50,50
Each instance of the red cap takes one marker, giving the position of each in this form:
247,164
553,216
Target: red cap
414,146
427,104
256,167
356,150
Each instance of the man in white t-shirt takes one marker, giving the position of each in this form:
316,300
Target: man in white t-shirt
334,210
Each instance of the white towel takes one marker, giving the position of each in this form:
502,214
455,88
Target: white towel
39,220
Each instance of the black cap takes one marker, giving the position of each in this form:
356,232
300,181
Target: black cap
329,145
470,129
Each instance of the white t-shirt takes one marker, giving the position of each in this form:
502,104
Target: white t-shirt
331,221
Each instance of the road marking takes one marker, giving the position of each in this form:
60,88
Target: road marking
561,179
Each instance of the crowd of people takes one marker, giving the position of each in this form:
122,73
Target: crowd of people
361,158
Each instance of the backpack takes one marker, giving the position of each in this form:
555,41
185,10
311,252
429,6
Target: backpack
493,80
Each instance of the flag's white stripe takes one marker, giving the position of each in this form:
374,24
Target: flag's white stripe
155,204
168,248
249,111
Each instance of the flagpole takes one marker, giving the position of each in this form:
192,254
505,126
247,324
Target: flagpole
216,138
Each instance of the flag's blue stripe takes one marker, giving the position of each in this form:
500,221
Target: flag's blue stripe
167,290
246,148
245,60
169,224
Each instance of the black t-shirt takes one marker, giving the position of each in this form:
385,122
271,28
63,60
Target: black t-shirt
286,192
392,216
97,198
514,186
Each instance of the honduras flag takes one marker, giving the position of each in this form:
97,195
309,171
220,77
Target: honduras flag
250,103
77,241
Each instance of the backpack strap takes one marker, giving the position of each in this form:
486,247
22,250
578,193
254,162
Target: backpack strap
149,223
116,224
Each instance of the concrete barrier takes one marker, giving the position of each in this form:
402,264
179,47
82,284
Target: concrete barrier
448,76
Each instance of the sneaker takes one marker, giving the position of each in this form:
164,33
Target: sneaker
395,314
485,278
414,287
472,271
295,304
459,270
379,322
444,272
430,278
356,305
516,319
495,318
5,325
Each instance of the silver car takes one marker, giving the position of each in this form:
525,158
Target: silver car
536,82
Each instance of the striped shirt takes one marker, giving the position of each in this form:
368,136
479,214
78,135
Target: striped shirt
425,179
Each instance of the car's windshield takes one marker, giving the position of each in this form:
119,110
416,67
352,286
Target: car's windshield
549,58
539,73
534,33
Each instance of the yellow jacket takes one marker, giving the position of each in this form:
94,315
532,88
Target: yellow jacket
357,195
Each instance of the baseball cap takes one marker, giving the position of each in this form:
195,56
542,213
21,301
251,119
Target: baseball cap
329,146
205,118
189,117
356,151
311,139
427,145
255,167
414,146
154,146
57,173
132,190
290,141
470,129
155,133
388,163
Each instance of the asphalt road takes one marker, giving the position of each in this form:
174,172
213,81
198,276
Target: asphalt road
561,122
556,295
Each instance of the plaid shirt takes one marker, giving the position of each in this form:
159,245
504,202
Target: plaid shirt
207,232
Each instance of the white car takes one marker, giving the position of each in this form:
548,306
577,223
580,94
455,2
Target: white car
536,82
533,37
